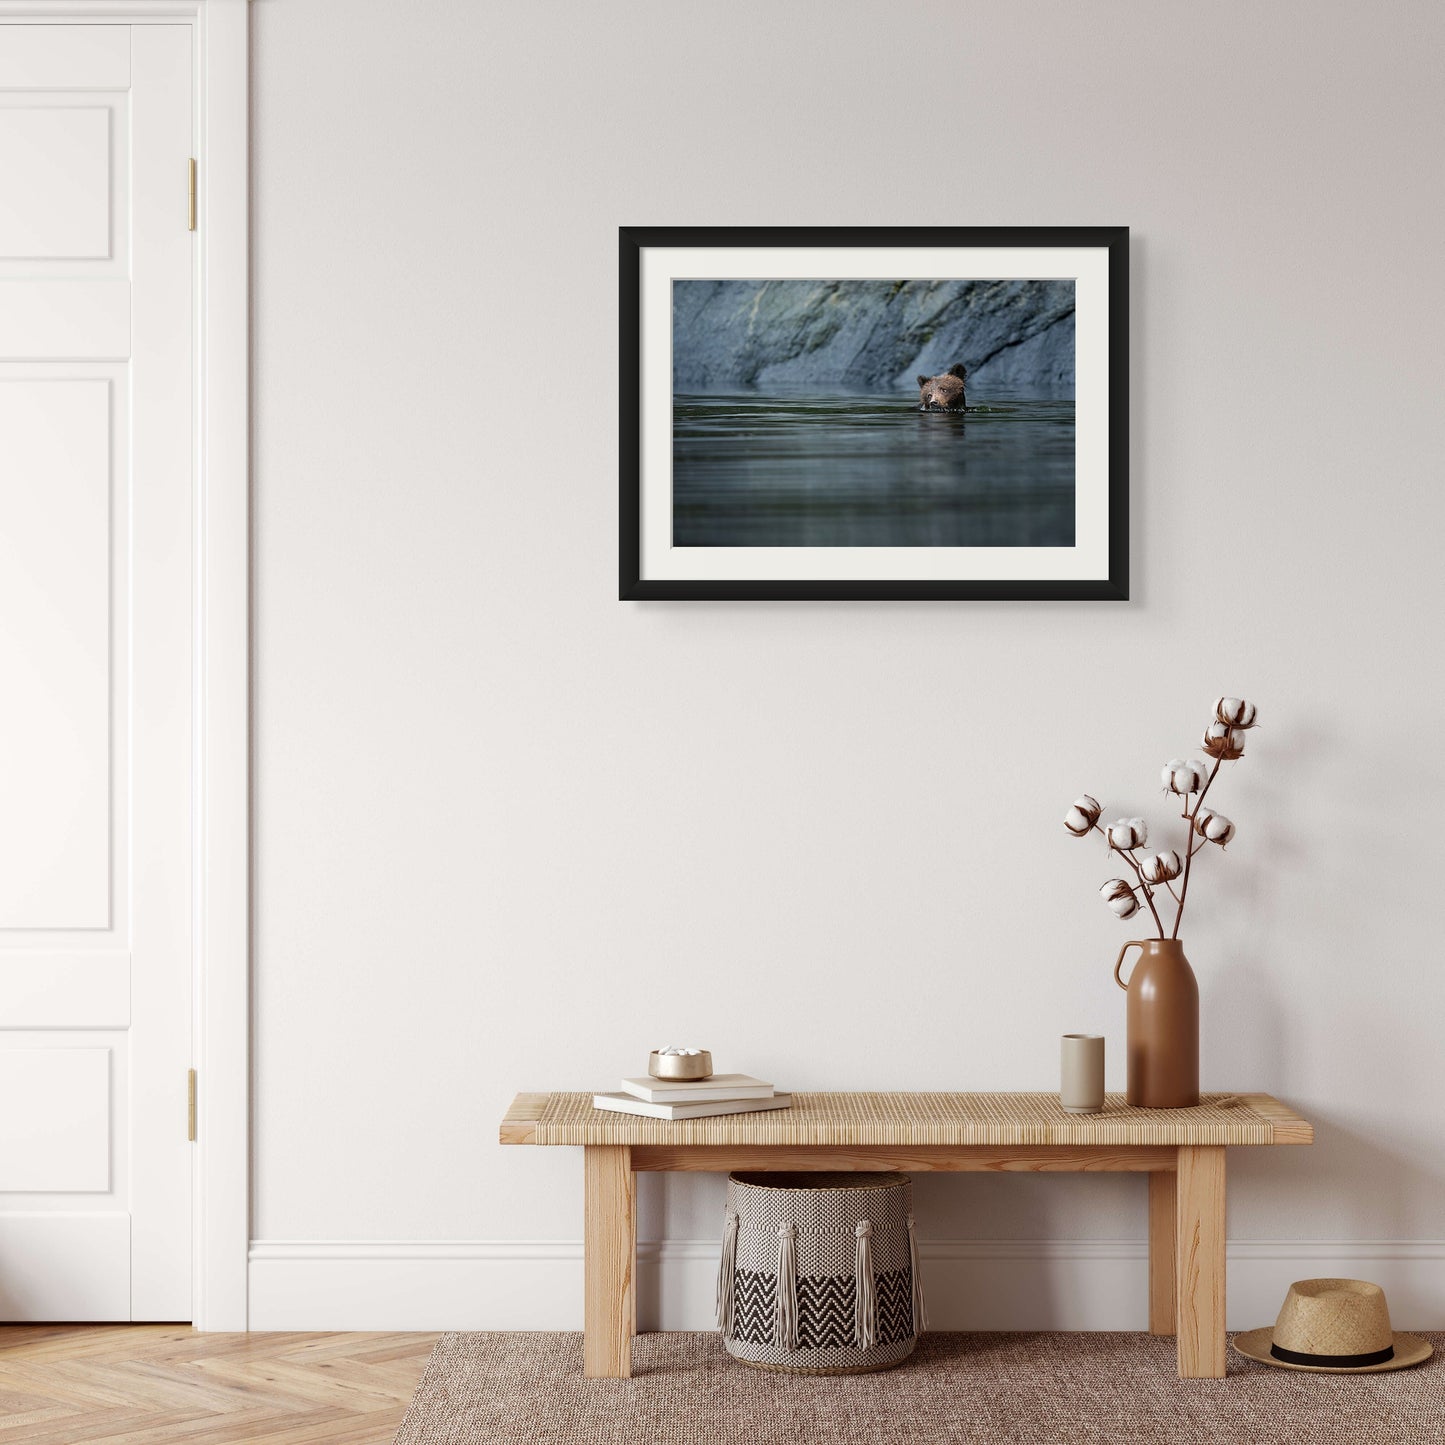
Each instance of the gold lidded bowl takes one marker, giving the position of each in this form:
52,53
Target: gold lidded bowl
680,1064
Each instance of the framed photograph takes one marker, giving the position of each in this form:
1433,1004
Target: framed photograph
874,412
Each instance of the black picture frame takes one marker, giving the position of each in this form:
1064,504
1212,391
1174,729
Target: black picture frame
633,240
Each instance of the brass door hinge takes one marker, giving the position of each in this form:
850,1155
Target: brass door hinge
191,1105
192,209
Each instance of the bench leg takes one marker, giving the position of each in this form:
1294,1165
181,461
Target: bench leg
1161,1251
610,1260
1199,1279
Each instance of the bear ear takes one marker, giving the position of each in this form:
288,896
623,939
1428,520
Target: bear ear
959,370
924,380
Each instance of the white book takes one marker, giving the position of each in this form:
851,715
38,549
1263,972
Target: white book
698,1091
627,1104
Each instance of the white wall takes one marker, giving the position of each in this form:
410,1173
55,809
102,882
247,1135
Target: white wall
511,832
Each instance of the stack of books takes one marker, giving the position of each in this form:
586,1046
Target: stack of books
693,1098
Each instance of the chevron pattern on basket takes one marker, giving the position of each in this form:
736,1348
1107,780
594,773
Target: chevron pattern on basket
753,1298
825,1308
895,1305
825,1311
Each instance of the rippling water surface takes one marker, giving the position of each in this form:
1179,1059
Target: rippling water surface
810,470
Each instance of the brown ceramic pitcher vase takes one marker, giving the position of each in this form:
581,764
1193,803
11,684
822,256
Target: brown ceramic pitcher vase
1163,1014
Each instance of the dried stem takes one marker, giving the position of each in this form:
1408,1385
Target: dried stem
1189,849
1128,856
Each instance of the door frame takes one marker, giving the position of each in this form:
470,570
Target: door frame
221,603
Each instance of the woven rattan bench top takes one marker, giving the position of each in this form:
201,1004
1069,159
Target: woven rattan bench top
923,1118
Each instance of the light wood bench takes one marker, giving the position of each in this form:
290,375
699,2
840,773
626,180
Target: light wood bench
1181,1150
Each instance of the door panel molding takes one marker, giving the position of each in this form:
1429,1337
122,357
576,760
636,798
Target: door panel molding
61,211
59,1143
56,590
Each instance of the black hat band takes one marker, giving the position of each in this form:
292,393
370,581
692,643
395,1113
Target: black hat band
1333,1362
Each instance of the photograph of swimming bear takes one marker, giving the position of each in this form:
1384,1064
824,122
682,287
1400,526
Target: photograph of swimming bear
804,411
943,393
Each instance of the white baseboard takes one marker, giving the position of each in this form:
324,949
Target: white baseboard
971,1284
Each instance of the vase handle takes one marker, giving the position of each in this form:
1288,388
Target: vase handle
1132,943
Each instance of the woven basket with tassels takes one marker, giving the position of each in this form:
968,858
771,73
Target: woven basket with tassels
819,1272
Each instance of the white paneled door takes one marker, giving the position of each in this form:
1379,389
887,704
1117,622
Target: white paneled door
96,671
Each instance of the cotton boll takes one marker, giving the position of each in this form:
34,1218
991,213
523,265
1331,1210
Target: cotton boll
1120,898
1235,712
1223,741
1183,777
1213,827
1080,819
1161,867
1126,833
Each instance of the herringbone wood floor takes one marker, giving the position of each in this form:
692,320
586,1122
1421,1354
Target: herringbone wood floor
168,1385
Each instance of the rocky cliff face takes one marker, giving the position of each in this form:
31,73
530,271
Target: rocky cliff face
873,335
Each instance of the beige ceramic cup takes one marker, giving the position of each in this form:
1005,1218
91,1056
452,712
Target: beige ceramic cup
1081,1086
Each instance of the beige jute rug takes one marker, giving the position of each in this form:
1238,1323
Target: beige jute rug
1005,1389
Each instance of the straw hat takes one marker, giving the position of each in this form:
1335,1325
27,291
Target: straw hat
1333,1326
